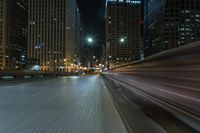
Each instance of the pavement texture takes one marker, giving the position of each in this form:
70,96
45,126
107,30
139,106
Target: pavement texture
61,105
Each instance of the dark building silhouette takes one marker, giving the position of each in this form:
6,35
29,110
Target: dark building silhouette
169,24
13,33
123,31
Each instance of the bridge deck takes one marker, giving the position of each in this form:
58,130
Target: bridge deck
64,105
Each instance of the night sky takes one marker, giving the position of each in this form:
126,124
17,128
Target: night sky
92,12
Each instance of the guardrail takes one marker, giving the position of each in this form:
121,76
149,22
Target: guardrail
172,76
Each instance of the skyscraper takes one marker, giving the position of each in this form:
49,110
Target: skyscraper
122,31
170,24
13,33
52,33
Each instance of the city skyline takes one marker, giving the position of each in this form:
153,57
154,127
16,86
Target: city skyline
57,36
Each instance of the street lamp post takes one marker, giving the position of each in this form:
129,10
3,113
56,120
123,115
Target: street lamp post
90,41
108,55
123,41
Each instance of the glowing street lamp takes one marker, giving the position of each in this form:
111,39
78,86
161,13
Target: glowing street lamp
122,40
90,40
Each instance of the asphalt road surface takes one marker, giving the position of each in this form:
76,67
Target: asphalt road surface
62,105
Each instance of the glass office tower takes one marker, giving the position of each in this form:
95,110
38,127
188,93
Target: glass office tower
169,24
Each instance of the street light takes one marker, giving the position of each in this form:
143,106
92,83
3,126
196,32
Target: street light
123,39
89,49
90,40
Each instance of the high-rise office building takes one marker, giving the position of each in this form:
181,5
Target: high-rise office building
123,31
13,33
52,34
170,24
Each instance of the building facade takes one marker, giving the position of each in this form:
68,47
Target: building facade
123,31
13,34
52,33
169,24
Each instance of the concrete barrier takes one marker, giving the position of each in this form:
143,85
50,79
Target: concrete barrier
172,76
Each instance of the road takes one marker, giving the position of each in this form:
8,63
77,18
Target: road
61,105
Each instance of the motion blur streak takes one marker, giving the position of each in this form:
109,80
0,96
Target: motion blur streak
172,77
